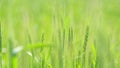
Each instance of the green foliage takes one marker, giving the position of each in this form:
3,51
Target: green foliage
59,34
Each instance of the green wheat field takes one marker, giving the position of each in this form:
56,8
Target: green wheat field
59,33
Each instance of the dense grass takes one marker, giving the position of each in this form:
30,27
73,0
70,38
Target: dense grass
59,34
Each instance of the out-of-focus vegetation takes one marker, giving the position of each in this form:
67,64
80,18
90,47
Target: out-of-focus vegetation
60,34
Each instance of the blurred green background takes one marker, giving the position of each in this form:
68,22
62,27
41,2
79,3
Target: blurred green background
60,33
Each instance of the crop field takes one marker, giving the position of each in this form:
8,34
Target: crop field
59,33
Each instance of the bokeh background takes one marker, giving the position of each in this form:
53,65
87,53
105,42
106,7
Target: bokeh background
60,33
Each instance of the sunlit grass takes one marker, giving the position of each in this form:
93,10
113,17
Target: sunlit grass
59,34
